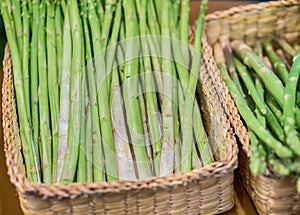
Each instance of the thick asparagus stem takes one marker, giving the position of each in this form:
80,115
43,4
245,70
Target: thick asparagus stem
289,106
64,95
17,20
126,168
71,156
133,112
167,154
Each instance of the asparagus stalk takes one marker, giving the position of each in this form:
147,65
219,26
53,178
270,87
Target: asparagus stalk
126,167
71,155
53,89
31,161
258,164
225,43
277,63
187,134
46,146
25,55
274,107
89,143
287,48
261,91
96,148
251,121
17,21
58,20
167,154
34,71
134,118
64,114
103,97
289,106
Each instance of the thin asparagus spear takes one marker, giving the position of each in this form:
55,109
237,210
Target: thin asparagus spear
261,91
289,105
71,155
64,95
53,89
274,107
16,12
82,158
246,77
126,168
277,63
107,21
287,48
45,133
31,161
113,39
251,121
59,40
225,43
134,118
100,10
34,71
25,55
103,97
96,147
184,29
167,154
89,143
190,96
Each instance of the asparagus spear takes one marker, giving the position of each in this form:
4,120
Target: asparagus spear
64,95
96,147
25,55
59,41
34,71
16,14
251,121
289,106
187,134
167,154
46,147
134,118
71,155
126,168
53,89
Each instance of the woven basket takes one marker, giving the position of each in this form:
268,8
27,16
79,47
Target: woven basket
208,190
271,194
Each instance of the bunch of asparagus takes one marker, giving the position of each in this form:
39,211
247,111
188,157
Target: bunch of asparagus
105,90
263,81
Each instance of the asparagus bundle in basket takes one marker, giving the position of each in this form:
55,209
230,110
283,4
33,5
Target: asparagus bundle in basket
270,109
104,90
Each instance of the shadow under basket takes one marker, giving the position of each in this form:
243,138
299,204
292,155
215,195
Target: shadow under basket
271,194
208,190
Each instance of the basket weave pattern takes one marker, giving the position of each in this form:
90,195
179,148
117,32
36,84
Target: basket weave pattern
208,190
271,194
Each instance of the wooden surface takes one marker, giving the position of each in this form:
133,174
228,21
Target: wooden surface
9,203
